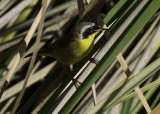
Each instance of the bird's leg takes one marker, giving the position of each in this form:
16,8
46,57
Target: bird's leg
93,60
66,68
76,82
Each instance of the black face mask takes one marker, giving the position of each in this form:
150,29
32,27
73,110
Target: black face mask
90,30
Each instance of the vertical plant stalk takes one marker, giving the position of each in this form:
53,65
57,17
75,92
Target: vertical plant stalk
40,29
44,7
22,48
129,75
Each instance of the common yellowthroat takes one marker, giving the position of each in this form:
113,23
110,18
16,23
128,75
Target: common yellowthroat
76,45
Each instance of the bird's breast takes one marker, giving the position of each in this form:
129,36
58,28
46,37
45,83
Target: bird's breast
83,47
75,51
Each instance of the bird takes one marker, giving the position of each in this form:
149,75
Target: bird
74,46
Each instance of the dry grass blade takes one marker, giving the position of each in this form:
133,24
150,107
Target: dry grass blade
129,75
149,52
48,93
132,30
3,3
7,6
9,16
138,47
39,75
7,105
23,47
94,94
44,7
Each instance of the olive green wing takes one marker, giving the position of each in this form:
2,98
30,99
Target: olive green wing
59,45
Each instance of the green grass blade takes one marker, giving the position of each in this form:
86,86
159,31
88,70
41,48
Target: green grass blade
111,55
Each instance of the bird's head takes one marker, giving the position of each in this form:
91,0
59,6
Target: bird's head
87,28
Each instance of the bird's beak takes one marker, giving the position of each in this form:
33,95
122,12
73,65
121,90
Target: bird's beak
101,29
96,28
104,29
